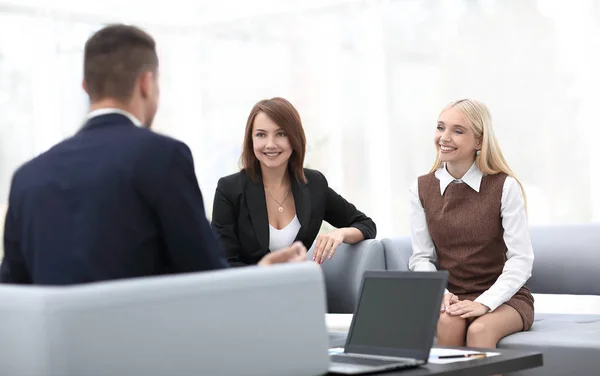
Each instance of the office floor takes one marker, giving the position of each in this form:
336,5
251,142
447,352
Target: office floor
544,303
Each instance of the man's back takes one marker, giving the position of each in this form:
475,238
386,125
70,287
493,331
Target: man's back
113,201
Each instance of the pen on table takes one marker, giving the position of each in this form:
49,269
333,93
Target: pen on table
481,355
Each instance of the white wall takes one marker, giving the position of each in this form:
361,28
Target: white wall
368,77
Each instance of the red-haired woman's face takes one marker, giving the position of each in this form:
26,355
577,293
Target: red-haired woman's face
271,145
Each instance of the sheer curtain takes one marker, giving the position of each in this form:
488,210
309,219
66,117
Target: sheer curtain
368,77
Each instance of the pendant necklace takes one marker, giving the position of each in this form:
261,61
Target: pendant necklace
280,208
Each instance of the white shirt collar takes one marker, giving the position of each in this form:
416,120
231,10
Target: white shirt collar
472,178
106,111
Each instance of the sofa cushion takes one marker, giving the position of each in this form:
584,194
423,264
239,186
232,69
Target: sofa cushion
570,344
559,330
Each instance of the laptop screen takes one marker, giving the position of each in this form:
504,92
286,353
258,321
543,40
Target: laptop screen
397,314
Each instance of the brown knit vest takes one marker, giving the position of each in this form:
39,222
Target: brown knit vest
466,228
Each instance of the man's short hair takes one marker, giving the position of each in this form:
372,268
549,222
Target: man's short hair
114,58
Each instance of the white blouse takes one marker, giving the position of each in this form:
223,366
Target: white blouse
519,254
285,237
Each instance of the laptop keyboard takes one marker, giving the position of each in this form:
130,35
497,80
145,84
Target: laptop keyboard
363,361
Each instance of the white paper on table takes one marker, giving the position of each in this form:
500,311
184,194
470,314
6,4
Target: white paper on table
437,352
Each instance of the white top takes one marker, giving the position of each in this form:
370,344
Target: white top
106,111
285,237
519,254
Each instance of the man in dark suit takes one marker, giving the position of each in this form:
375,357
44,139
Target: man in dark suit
115,200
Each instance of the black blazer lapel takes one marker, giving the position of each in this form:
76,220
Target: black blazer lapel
257,205
302,201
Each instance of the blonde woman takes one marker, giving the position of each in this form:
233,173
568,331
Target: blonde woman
468,216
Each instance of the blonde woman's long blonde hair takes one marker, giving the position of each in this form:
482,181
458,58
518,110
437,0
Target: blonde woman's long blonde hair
490,160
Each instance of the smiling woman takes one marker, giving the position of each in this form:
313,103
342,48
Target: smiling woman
274,200
469,216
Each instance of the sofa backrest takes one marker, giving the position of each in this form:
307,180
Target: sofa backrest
232,322
566,258
344,272
397,252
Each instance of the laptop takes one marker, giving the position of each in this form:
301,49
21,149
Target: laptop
394,322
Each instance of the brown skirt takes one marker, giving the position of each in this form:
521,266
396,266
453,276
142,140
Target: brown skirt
522,302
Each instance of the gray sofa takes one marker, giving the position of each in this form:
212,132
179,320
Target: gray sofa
233,322
343,273
567,261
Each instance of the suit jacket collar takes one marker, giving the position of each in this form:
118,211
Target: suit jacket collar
112,110
257,205
109,119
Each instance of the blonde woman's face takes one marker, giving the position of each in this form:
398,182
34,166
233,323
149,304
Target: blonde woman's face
454,139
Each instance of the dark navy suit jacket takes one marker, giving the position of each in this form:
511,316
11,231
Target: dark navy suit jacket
113,201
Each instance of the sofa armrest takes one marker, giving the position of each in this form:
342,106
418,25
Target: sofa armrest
344,272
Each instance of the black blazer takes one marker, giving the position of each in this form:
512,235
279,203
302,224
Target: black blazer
241,221
113,201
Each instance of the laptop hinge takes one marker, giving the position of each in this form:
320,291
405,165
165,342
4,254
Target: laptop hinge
369,356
